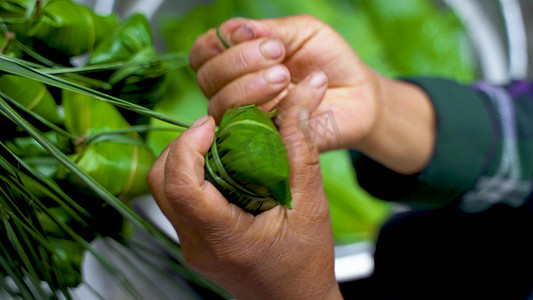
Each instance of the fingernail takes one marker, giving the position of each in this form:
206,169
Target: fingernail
275,74
241,34
201,121
271,49
318,79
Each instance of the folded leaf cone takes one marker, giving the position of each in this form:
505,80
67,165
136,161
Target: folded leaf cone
71,27
119,162
248,161
131,37
144,83
31,94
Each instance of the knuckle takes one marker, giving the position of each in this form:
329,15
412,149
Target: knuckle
205,81
241,59
215,109
180,188
243,90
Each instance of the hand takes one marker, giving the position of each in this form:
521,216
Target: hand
278,254
264,57
391,121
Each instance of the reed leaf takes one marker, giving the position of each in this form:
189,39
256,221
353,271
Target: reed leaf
39,118
176,60
71,27
32,94
9,65
132,42
109,198
16,9
248,161
27,146
131,37
49,188
84,115
120,165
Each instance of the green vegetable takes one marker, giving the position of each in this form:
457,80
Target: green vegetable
248,161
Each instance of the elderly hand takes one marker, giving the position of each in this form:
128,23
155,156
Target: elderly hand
391,121
279,254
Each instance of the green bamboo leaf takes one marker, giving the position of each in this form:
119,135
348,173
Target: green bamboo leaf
119,166
143,84
48,187
26,261
109,198
91,82
14,67
17,12
248,161
132,42
68,257
27,146
133,129
109,266
84,115
16,8
37,117
71,27
131,37
13,273
176,60
31,94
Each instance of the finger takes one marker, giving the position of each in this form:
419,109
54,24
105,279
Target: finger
208,45
156,183
239,60
254,88
305,178
195,201
314,85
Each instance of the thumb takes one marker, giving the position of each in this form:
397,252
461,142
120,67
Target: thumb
296,108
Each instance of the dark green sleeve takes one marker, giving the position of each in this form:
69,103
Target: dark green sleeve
483,153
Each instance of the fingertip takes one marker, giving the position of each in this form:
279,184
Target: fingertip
241,34
213,111
199,136
317,79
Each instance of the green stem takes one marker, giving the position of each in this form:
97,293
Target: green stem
104,194
117,65
14,67
38,117
138,128
222,39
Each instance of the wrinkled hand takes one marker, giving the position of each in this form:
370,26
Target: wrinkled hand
279,254
266,54
391,121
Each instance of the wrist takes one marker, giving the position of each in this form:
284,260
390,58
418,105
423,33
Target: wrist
403,136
